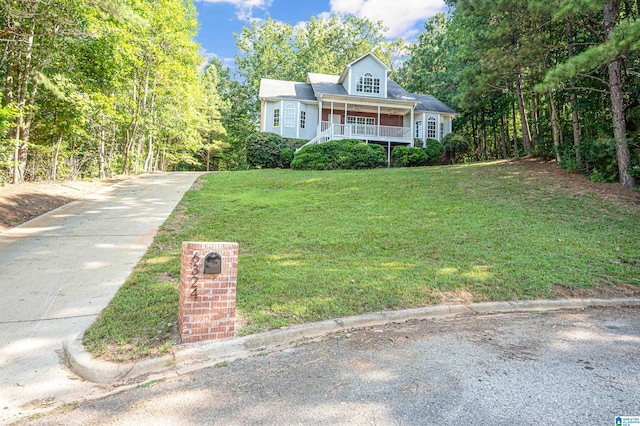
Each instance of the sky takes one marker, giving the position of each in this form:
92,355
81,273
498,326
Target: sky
219,19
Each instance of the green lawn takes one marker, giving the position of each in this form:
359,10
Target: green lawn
318,245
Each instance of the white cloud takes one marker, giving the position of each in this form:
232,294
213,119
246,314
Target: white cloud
244,8
399,16
207,55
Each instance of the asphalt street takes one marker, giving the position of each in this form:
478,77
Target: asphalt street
578,367
57,273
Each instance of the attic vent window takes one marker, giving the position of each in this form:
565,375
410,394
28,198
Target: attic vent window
368,84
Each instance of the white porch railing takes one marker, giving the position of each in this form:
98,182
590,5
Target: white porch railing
330,131
369,131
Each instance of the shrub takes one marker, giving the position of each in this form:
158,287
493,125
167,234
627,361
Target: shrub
342,154
434,151
263,149
294,143
405,156
455,144
600,154
286,157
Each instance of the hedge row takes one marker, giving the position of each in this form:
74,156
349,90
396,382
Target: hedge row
342,154
268,150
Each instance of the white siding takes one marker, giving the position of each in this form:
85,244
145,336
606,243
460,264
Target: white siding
366,65
312,122
311,125
269,107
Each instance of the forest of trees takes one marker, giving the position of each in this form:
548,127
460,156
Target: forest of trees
92,89
556,79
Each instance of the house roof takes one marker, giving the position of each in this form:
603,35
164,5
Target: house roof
286,90
326,84
331,85
430,103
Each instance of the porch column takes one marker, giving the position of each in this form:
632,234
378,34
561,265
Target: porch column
331,118
297,119
424,129
281,116
345,120
378,121
413,126
319,117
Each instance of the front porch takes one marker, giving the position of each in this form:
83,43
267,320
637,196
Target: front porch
366,132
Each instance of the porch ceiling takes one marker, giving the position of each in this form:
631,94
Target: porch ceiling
355,107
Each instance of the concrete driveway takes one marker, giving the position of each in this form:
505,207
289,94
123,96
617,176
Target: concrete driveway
57,273
578,367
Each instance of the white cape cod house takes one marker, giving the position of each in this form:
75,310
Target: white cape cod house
361,103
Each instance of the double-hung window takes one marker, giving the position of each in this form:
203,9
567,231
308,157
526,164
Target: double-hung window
276,117
431,128
303,120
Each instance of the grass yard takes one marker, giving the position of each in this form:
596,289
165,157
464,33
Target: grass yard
318,245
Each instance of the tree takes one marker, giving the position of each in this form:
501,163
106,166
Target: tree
214,134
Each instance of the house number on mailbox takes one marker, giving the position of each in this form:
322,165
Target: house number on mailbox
213,263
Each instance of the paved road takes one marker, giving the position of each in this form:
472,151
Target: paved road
60,270
558,368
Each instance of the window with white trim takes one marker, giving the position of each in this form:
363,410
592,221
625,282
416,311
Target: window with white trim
441,131
303,120
368,84
276,117
289,115
370,121
431,128
362,125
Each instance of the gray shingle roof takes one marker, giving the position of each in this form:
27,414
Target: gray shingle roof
286,90
328,85
430,103
397,92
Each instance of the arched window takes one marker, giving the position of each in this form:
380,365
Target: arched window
289,115
368,84
431,127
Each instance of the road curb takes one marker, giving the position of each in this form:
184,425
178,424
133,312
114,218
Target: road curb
196,356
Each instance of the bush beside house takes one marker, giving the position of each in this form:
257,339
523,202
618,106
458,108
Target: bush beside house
264,149
340,154
406,156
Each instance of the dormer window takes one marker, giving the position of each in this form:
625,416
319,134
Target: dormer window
368,84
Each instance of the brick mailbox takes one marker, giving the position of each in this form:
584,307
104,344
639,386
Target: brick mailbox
208,277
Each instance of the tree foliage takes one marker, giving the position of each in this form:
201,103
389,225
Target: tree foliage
104,87
536,77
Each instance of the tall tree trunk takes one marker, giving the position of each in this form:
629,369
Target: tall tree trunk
149,159
56,156
617,104
484,137
505,136
526,132
554,128
474,130
575,118
516,152
101,156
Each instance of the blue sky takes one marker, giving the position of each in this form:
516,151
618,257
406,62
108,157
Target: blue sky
219,19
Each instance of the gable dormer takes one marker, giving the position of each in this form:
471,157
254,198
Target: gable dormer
366,76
